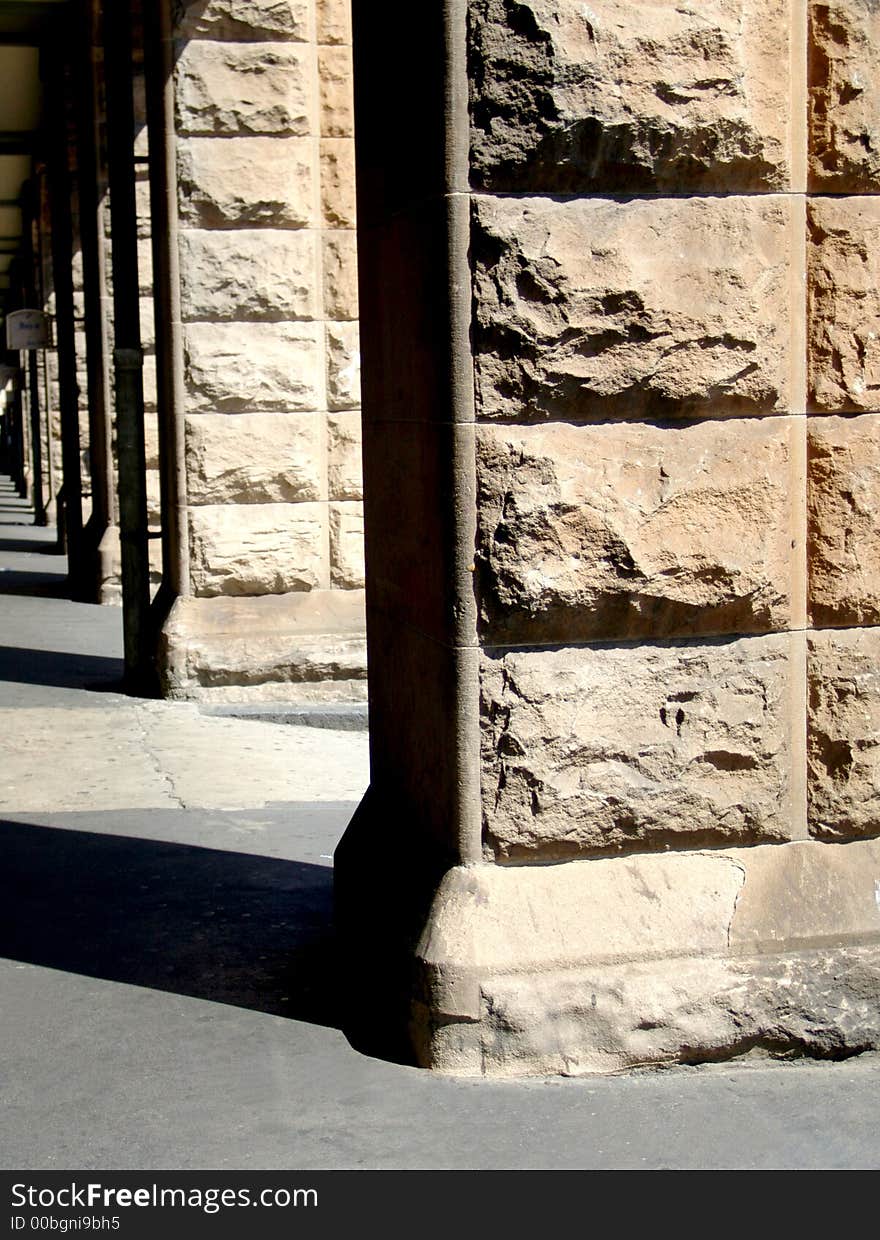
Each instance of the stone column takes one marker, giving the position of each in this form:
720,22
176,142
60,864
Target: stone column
268,291
588,842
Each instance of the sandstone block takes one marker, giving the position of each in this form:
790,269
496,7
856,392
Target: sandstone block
147,323
151,440
344,455
343,366
151,387
154,512
347,546
338,208
246,181
257,548
844,114
254,458
597,309
334,21
590,750
844,301
844,541
246,19
340,275
244,88
612,532
616,96
843,735
247,367
249,274
335,87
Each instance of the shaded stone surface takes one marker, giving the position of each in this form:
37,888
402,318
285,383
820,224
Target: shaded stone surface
612,532
613,96
594,749
843,734
258,548
844,303
249,273
596,309
253,458
844,152
844,540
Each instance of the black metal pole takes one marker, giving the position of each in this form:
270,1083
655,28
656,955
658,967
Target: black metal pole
127,354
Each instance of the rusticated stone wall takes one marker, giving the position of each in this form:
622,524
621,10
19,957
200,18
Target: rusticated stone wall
267,253
620,329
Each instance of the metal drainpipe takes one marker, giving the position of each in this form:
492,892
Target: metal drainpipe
127,354
159,70
60,190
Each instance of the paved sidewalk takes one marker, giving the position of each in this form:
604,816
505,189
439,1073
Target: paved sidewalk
167,993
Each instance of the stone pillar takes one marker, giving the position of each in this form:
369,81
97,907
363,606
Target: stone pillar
269,306
624,750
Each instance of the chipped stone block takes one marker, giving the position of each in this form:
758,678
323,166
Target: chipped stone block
844,125
246,19
333,21
347,546
843,502
616,96
343,366
338,209
344,456
340,275
254,458
239,182
335,89
244,88
613,532
247,367
843,733
844,303
596,309
249,274
151,440
257,548
591,750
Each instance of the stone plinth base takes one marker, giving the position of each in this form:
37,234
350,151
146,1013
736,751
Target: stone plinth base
308,647
599,966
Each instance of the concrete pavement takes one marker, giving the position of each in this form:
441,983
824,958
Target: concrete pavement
167,981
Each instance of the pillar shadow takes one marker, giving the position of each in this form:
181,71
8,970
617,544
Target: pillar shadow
250,931
63,669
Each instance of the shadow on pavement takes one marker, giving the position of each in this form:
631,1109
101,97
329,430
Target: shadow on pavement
60,668
34,585
254,932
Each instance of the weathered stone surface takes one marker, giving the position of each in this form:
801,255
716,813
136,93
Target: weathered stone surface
245,181
620,96
844,98
587,750
340,275
151,440
302,647
253,458
347,546
844,316
244,88
614,532
258,548
336,98
604,965
343,366
844,540
245,19
246,367
333,21
344,456
249,273
338,208
596,309
843,736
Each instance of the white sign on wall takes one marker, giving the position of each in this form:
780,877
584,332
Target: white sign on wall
27,329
